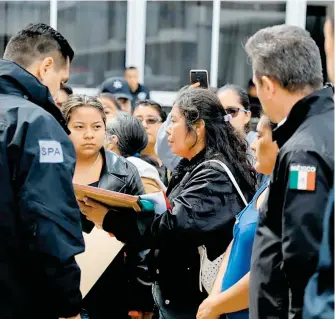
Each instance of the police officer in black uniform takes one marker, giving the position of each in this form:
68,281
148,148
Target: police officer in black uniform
288,76
119,89
40,229
138,91
319,293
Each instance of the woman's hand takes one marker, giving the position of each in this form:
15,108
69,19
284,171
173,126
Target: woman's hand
195,85
207,309
93,211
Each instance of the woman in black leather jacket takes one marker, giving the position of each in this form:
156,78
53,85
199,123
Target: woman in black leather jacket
97,167
203,199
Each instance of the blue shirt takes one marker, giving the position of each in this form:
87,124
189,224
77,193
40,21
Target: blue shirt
240,255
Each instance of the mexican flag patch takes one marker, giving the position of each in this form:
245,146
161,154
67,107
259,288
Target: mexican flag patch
302,177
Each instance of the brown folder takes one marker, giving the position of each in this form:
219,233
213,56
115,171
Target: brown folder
107,198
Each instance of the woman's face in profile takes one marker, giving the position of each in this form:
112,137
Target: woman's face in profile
151,121
180,139
87,131
240,116
266,150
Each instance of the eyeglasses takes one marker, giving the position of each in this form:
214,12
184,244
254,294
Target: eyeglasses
150,120
233,111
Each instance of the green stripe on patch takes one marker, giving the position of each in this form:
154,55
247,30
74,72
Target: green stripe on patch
294,179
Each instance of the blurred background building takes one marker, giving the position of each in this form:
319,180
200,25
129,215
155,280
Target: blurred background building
163,39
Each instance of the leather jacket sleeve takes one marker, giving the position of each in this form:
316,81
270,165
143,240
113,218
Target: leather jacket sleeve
133,186
206,204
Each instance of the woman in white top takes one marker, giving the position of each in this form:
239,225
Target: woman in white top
127,137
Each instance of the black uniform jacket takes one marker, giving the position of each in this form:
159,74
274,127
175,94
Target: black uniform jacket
287,242
40,229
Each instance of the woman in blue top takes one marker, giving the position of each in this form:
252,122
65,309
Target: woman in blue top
231,289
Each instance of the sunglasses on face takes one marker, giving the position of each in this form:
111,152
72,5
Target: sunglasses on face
233,111
150,121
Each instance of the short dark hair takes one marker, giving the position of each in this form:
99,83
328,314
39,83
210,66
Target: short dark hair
67,89
130,68
34,41
287,54
330,14
153,104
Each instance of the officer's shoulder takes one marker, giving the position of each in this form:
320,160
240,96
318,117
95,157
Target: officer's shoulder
307,141
35,114
301,154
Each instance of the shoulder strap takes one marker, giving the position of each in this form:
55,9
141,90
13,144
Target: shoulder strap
231,176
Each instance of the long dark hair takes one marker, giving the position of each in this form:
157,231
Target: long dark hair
221,138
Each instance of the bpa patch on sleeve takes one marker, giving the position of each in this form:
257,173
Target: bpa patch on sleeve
51,152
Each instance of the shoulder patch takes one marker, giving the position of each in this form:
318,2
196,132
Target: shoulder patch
302,177
51,152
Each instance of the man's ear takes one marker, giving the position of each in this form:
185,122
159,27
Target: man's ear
269,87
45,66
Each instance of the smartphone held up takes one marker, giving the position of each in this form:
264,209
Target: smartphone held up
200,76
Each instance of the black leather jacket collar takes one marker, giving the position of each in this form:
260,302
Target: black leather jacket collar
310,105
15,80
113,165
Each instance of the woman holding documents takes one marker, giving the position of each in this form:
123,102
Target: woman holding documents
86,120
203,197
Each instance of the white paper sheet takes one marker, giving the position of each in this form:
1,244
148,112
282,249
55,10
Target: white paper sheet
100,251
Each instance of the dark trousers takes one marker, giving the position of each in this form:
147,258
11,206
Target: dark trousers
169,310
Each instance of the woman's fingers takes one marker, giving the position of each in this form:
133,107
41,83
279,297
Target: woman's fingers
195,85
89,202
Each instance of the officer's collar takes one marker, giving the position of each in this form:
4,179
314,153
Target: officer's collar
15,80
310,105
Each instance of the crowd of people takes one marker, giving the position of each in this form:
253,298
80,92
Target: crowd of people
248,227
